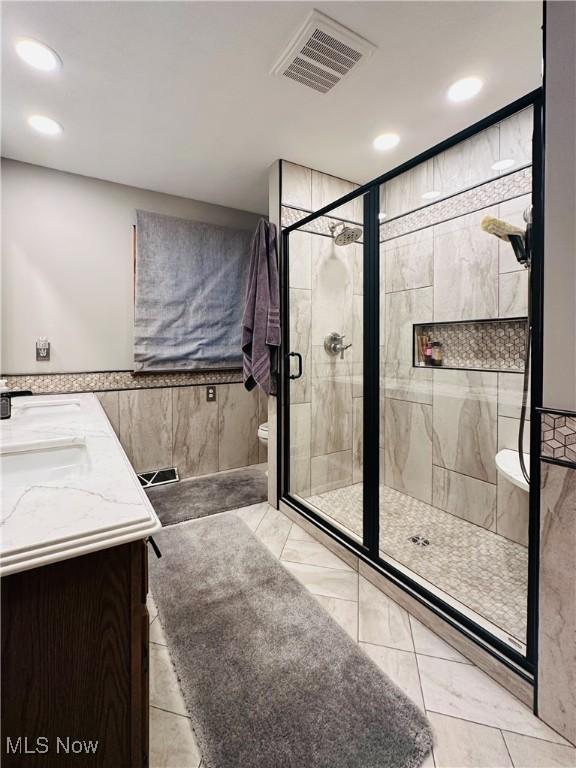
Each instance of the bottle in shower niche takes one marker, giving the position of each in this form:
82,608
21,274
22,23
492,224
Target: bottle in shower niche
436,354
5,400
428,352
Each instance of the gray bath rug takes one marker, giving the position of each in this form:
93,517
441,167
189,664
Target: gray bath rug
269,679
208,495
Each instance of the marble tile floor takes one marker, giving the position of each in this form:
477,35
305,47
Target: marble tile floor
477,724
485,572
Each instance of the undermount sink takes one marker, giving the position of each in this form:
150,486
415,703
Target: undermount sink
508,465
45,408
41,461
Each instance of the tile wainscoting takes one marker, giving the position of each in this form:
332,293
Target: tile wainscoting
165,420
177,426
557,583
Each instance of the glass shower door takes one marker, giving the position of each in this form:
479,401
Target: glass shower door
453,348
396,441
324,391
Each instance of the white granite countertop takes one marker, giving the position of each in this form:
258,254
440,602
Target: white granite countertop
67,487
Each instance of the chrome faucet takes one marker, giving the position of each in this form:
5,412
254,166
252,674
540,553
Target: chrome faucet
334,344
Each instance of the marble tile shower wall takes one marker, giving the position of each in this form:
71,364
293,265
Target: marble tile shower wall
325,284
441,429
557,667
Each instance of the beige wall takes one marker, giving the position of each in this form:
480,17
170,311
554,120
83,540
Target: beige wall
67,265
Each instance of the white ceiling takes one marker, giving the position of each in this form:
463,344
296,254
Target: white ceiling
177,96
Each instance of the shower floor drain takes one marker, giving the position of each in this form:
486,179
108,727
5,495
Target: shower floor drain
420,541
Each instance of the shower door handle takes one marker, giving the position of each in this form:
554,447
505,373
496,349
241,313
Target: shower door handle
298,356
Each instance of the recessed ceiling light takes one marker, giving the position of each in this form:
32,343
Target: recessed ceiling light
502,165
44,125
37,54
386,141
431,195
381,215
465,89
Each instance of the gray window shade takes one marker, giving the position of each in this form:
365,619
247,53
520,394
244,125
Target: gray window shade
190,286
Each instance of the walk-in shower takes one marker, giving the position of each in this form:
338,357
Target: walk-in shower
412,325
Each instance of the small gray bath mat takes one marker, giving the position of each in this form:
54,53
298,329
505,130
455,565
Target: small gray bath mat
269,679
208,495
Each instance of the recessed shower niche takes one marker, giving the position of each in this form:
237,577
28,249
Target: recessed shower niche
380,447
481,345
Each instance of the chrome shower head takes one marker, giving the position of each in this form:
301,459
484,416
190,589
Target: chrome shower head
344,235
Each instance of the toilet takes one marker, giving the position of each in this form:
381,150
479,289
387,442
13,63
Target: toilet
263,434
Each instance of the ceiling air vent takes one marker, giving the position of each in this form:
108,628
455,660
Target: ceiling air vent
322,53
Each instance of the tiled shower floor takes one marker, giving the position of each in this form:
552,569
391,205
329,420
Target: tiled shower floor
486,572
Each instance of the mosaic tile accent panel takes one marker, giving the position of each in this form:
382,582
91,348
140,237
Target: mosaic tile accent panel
319,226
486,572
64,383
558,436
498,345
492,192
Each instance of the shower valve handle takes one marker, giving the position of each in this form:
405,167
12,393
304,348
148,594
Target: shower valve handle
343,348
334,344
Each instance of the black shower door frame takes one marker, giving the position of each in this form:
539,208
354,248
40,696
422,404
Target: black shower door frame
368,550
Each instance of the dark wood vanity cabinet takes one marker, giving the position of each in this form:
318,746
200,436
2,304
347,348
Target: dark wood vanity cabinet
74,662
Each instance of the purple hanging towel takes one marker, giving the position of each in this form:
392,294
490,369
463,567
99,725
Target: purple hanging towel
261,320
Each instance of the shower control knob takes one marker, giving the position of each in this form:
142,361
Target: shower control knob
334,344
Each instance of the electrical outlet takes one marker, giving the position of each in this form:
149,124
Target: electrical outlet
42,350
211,394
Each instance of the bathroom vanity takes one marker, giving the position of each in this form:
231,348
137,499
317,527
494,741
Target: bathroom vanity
74,628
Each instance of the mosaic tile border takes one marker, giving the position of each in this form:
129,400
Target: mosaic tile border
99,381
484,345
488,193
319,226
484,195
558,436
